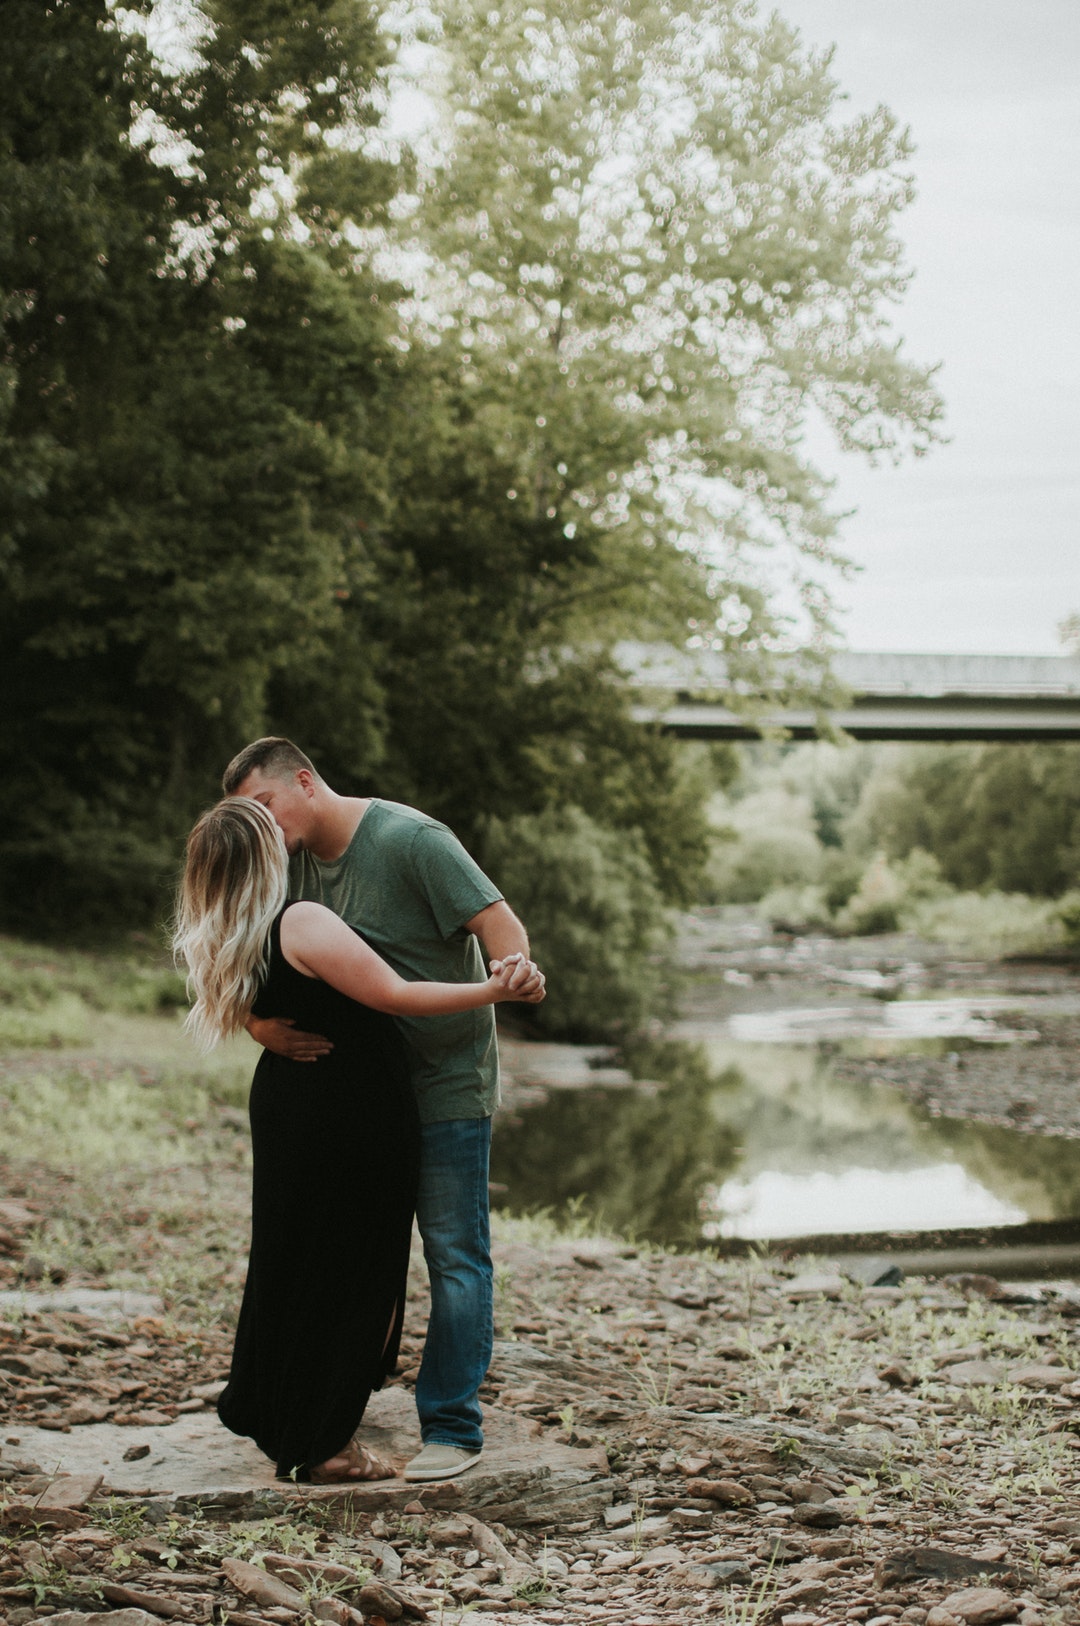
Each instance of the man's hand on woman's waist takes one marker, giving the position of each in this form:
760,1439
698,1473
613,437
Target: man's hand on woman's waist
281,1035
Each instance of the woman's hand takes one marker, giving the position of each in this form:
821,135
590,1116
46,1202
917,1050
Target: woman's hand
516,979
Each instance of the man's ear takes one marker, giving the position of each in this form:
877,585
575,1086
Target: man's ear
306,780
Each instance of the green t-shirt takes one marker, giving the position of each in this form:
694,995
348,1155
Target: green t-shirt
406,882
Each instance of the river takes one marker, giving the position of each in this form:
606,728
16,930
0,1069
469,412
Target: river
810,1087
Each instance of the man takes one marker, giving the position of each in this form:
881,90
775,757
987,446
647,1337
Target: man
408,885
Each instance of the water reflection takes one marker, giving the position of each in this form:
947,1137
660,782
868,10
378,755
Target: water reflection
776,1205
764,1139
638,1162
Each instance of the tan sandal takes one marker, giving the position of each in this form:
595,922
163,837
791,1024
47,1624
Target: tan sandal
355,1463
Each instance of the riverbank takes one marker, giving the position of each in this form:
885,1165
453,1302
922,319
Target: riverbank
765,1437
675,1435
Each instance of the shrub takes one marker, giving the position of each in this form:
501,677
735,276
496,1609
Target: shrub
988,923
888,891
767,840
594,915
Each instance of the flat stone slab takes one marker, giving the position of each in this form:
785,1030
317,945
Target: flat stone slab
522,1477
101,1303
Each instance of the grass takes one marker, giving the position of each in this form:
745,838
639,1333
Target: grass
51,997
988,924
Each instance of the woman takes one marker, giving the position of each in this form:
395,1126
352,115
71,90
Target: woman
335,1143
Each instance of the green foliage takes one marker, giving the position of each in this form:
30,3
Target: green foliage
298,434
879,839
183,429
1004,816
32,976
767,839
887,891
596,919
652,245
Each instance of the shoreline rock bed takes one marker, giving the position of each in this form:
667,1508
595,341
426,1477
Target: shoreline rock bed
1032,1087
780,1442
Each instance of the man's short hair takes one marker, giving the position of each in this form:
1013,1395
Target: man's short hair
277,758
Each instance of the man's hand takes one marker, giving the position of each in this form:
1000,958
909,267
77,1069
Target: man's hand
525,980
281,1035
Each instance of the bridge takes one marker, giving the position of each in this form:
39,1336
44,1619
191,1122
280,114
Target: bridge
889,697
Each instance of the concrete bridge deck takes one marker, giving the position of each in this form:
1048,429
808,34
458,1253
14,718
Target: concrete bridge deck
890,697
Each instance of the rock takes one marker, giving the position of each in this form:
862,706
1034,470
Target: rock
660,1557
549,1564
194,1462
29,1513
457,1532
693,1578
803,1596
336,1612
942,1617
815,1284
622,1513
385,1561
694,1464
973,1284
110,1617
1032,1375
805,1490
781,1550
90,1411
515,1571
376,1599
129,1597
34,1363
266,1589
136,1453
207,1391
907,1564
71,1490
874,1271
728,1571
973,1372
750,1442
817,1515
981,1606
15,1213
690,1518
965,1352
299,1572
728,1492
897,1374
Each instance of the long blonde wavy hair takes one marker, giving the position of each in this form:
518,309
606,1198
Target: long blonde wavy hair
236,876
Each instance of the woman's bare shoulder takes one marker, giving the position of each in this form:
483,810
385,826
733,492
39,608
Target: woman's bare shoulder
308,919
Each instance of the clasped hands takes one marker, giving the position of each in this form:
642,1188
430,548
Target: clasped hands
521,977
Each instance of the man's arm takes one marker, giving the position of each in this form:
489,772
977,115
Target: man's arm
504,938
281,1035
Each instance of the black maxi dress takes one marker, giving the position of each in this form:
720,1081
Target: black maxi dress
336,1147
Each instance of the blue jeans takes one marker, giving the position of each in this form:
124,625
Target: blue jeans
452,1212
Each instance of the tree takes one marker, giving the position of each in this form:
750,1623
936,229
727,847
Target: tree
1001,816
263,474
190,378
653,251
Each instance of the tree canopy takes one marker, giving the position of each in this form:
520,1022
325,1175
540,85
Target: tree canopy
302,431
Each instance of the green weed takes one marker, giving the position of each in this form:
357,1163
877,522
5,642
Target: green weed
758,1603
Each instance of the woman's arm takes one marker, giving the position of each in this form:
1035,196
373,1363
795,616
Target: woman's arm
316,941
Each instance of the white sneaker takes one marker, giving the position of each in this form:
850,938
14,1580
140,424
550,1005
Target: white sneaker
441,1462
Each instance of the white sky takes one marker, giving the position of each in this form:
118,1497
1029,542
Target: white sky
975,548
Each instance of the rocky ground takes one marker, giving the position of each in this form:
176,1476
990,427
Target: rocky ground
1032,1084
764,1442
671,1437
